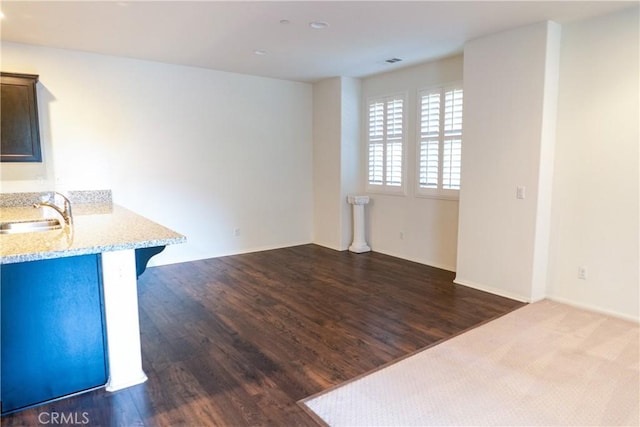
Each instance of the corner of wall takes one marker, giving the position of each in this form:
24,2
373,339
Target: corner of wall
510,91
540,271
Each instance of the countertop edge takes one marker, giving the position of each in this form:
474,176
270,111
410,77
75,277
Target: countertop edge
39,256
93,241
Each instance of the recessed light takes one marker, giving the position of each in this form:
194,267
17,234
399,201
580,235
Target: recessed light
260,52
318,25
285,21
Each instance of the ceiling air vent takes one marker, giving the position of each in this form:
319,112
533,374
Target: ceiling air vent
392,60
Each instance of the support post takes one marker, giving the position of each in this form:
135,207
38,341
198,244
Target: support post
359,244
121,313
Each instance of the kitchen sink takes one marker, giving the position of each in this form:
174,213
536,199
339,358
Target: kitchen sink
31,226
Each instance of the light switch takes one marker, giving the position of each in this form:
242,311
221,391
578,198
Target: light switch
520,192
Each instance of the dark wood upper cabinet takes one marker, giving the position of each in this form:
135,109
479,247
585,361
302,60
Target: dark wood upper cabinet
20,132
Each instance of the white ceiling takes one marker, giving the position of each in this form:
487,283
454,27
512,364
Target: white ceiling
223,35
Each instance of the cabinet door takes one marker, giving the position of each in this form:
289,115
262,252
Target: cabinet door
20,130
53,340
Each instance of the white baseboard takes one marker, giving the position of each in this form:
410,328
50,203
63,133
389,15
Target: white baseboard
112,387
419,261
249,250
593,308
492,290
332,247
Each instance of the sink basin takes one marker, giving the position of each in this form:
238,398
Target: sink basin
30,226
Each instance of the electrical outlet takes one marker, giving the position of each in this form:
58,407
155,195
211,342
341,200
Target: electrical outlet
582,272
520,192
401,235
236,232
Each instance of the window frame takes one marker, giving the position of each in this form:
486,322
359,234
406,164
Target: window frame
439,192
385,187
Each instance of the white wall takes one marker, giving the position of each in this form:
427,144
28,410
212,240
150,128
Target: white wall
327,128
596,180
200,151
336,159
510,93
429,226
351,147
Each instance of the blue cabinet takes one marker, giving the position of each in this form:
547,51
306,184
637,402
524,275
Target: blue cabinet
53,340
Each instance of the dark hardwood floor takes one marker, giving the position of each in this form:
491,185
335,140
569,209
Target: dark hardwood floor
238,340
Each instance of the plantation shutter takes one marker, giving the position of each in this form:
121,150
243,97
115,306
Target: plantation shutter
440,141
429,140
376,143
452,147
386,142
394,142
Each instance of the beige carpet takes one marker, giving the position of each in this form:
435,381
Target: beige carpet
544,364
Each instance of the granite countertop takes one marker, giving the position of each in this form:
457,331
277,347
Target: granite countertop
97,227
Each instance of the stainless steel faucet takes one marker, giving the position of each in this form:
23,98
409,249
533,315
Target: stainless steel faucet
65,211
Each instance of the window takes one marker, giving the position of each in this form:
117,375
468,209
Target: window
385,130
440,141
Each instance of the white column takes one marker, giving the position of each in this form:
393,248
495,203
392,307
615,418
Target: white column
121,312
359,244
